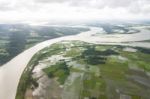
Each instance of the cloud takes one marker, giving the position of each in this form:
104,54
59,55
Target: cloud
38,10
51,1
140,7
101,3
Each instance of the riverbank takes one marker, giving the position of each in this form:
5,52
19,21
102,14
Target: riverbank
10,72
73,69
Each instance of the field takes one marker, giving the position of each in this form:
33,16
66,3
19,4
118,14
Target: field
79,70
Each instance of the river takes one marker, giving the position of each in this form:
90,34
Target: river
10,72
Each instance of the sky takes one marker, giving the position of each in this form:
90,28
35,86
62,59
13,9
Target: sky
40,11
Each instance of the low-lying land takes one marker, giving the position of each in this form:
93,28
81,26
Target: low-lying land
79,70
15,38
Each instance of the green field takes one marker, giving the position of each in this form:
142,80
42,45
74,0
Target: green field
89,71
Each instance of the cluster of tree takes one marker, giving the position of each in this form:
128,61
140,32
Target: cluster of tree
109,28
52,32
95,57
60,70
143,50
3,56
17,43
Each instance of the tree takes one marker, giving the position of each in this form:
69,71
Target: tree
17,43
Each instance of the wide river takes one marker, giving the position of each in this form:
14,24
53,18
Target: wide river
10,72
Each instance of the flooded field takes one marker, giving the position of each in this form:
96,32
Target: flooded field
9,70
79,70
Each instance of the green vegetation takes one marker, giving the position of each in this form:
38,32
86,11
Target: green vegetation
95,57
26,81
143,50
3,55
17,43
111,28
92,71
93,87
59,70
73,52
15,38
144,41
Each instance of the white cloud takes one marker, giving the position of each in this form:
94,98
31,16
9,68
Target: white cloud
61,10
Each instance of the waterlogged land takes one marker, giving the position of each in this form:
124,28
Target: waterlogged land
95,36
79,70
17,37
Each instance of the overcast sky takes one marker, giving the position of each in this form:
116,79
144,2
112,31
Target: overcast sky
61,10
